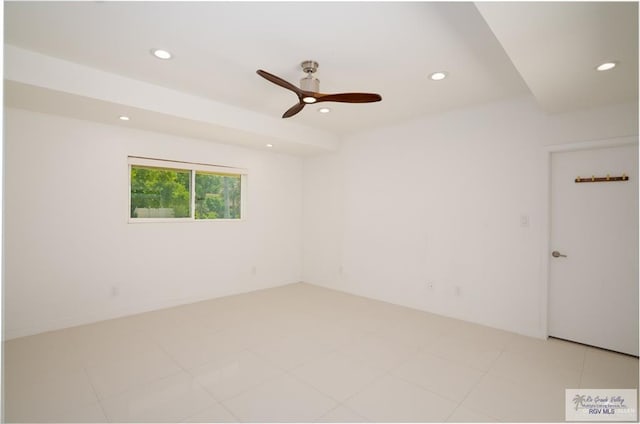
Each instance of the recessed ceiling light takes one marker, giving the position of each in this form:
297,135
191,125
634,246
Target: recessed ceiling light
161,54
123,118
324,110
606,66
309,99
437,76
269,145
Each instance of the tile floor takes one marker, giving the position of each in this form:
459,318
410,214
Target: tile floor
297,353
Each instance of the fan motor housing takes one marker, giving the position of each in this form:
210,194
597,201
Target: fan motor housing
310,83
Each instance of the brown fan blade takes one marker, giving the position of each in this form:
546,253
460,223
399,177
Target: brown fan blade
348,97
293,110
278,81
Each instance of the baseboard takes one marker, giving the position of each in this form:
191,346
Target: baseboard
74,321
535,334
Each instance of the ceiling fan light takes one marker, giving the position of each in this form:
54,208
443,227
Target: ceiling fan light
437,76
324,110
309,99
606,66
161,54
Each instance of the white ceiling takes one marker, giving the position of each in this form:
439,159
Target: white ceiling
556,46
493,51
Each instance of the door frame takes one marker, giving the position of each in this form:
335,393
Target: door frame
546,243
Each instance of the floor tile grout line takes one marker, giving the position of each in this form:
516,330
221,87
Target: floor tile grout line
170,356
138,386
306,383
317,420
195,380
254,386
379,374
274,377
386,373
420,386
226,408
584,361
476,385
102,408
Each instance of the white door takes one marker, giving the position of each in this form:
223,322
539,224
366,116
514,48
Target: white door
593,290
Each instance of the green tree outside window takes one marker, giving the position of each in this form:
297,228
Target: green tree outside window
160,193
217,196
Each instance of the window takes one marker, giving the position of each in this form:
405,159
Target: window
180,191
160,193
217,196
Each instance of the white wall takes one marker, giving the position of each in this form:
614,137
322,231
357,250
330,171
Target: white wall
435,200
440,200
68,243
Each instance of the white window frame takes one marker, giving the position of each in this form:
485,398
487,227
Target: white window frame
193,168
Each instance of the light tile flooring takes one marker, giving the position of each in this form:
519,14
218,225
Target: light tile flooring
297,353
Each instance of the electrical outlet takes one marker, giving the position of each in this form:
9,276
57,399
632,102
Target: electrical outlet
254,270
115,291
430,285
457,291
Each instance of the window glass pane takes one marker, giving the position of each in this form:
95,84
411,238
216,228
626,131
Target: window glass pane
160,193
217,196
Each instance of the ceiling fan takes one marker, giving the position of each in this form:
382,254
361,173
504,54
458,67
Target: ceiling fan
308,92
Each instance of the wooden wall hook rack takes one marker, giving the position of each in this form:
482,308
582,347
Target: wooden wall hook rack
608,178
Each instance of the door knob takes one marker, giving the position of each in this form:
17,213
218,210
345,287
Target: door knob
557,254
